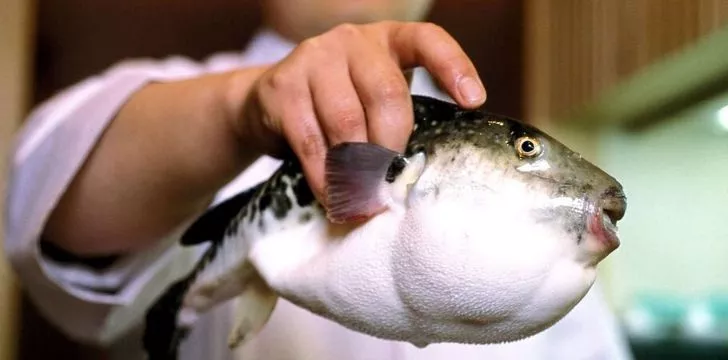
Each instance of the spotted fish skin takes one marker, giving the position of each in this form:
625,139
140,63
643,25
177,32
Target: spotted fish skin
256,212
445,126
273,201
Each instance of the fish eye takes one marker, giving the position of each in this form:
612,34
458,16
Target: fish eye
528,147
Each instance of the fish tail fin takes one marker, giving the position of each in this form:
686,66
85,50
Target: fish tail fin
163,333
168,320
254,307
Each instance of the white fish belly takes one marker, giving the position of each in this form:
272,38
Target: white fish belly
340,273
445,271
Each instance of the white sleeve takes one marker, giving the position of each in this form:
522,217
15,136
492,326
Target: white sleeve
89,305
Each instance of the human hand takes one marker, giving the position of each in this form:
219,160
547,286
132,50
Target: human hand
348,85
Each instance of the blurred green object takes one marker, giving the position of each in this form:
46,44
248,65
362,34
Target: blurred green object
707,319
655,316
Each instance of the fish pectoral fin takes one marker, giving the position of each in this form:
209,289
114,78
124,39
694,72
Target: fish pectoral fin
254,307
359,177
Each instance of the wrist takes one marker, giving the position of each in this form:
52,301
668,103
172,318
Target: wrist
245,115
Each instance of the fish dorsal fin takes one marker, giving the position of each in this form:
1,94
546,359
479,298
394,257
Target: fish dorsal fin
212,224
363,179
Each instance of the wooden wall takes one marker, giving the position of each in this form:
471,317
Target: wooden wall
15,56
577,49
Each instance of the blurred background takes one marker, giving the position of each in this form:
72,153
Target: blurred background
639,87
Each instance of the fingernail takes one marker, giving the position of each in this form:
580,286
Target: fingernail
471,90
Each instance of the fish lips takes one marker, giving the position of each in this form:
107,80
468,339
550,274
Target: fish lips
602,223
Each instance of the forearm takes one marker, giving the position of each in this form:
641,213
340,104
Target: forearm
160,161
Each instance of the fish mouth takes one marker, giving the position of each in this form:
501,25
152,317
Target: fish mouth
602,223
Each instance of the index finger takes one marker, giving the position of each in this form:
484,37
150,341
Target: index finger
428,45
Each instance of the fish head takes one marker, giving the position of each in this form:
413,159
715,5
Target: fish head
505,225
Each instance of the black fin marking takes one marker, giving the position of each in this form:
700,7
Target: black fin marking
162,335
211,226
355,173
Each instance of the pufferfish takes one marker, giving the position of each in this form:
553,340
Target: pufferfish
485,230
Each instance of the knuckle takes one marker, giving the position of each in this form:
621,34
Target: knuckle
382,25
348,120
431,29
315,50
386,23
346,30
279,79
392,90
303,135
309,45
311,145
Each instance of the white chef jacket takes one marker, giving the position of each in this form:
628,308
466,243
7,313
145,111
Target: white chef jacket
107,306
